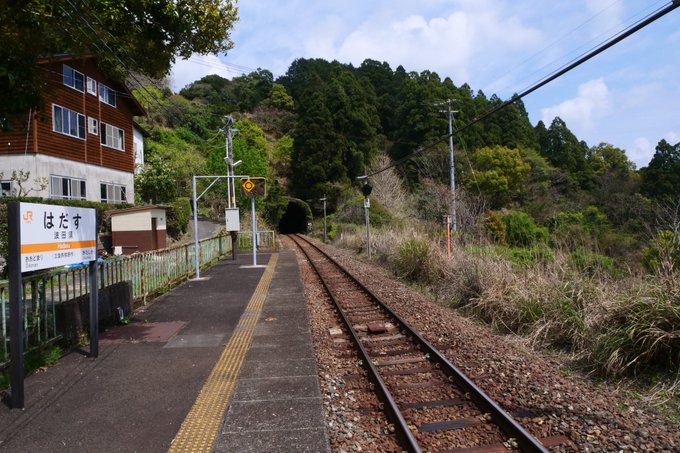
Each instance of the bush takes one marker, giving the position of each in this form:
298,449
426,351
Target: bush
662,255
568,230
593,264
178,217
412,260
332,229
521,230
527,257
642,331
494,228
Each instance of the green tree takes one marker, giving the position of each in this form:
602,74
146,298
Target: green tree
561,147
661,178
282,155
279,97
500,173
521,230
250,147
181,151
156,182
146,35
605,158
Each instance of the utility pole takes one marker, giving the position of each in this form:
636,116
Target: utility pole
229,159
231,190
366,190
325,235
451,167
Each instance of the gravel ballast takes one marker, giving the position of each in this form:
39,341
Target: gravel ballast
550,400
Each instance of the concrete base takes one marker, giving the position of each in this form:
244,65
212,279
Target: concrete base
73,316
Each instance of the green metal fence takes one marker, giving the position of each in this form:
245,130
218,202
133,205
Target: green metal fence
149,273
266,240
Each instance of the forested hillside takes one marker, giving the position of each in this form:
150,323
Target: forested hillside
559,240
318,127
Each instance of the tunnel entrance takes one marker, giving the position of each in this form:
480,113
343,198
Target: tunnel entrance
296,218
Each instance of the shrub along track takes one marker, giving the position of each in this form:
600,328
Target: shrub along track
547,401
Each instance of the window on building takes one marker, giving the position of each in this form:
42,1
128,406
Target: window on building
91,86
73,78
67,188
92,125
113,193
5,188
68,122
113,137
107,95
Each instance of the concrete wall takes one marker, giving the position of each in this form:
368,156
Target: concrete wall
132,230
42,166
73,316
138,147
138,220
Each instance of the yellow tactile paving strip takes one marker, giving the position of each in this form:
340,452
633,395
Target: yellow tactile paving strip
200,427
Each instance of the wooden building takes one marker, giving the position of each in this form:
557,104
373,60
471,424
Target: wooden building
80,145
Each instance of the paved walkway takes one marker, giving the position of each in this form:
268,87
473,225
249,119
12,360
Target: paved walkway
240,337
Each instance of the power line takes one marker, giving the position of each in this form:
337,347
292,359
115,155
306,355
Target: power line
594,52
561,38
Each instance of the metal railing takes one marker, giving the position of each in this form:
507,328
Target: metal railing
266,240
149,273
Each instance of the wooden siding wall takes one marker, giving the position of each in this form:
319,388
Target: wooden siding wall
17,140
45,141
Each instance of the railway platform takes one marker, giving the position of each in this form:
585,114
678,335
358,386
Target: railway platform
222,364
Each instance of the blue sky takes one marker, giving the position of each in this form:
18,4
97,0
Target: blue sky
628,96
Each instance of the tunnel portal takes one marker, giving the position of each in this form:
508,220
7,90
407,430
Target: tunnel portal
295,219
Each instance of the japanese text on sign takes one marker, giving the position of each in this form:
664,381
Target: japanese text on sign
54,236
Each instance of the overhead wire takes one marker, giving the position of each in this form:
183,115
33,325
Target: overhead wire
561,38
618,37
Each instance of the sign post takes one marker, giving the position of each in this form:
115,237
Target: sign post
16,308
41,237
366,189
254,187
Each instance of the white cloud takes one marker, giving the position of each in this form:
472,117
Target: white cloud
448,43
581,112
643,149
186,71
672,137
641,152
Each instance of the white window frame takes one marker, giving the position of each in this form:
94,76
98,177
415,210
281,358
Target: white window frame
76,188
92,86
107,95
68,72
112,137
6,188
58,122
92,125
115,193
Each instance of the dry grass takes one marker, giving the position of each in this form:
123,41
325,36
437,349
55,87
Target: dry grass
616,326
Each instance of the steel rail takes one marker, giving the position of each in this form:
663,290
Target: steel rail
508,425
403,432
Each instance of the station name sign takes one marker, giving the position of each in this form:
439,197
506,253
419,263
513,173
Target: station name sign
53,236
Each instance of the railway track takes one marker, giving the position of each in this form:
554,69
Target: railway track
428,401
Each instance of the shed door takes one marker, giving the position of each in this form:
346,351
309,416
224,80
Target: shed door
154,233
